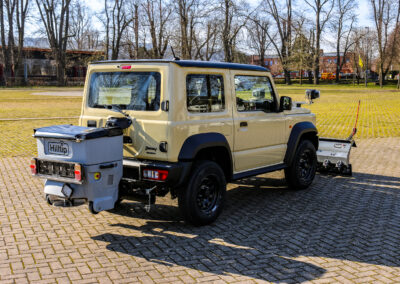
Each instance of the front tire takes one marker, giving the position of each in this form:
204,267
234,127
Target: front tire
300,174
202,200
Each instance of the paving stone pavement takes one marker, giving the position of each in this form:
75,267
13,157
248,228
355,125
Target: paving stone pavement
340,230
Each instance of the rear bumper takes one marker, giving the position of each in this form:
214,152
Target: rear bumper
177,172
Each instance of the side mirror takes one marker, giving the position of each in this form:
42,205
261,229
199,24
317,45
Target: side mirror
311,95
285,103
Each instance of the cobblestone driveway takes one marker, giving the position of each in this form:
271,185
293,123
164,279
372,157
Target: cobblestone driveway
339,230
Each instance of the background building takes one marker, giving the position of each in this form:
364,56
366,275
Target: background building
327,64
39,67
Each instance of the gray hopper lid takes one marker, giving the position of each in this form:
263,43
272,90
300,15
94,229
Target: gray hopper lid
73,132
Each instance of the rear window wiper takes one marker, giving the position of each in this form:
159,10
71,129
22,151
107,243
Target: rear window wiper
117,108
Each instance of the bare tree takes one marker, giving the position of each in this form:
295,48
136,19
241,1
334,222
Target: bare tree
364,47
234,21
7,39
199,26
322,10
117,20
282,17
157,15
386,18
105,18
343,24
132,34
187,13
302,48
55,15
136,28
207,46
258,29
21,17
80,26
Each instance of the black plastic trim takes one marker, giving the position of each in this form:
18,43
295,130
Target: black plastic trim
177,172
108,166
220,65
258,171
197,142
299,129
191,63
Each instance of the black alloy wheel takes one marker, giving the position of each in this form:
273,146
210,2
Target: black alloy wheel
300,174
208,194
305,165
203,198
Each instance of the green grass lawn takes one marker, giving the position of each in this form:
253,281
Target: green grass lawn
16,138
335,110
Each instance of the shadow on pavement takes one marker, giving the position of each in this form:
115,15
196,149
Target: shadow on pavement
265,226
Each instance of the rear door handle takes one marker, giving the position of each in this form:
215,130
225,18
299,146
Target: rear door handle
243,124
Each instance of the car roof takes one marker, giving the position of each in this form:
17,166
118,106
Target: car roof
191,63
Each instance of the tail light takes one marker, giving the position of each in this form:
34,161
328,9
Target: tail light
160,175
78,172
33,167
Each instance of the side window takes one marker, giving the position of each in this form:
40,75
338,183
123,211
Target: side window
205,93
254,93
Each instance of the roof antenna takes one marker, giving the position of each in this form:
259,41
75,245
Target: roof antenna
173,53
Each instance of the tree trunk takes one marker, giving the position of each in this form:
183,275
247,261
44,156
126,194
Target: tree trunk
3,79
337,64
7,47
60,69
183,21
317,46
366,78
225,34
301,76
22,8
381,75
310,80
107,39
136,30
262,58
316,62
287,76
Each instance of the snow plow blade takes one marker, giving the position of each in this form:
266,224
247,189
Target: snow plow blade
334,156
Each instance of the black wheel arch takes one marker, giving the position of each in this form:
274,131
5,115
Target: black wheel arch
300,131
208,146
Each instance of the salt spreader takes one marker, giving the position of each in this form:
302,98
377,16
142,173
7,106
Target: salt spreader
80,163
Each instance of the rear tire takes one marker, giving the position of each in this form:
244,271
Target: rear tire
202,200
300,174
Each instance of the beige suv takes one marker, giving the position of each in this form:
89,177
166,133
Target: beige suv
194,126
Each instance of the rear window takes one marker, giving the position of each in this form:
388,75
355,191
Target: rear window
205,93
127,90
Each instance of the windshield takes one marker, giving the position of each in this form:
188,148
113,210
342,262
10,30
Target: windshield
127,90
